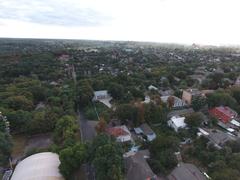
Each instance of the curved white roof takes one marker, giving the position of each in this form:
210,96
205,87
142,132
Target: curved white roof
41,166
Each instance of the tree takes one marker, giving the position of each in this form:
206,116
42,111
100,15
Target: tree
106,156
127,112
85,94
162,152
170,102
5,147
19,120
221,99
116,91
65,131
71,159
101,126
198,103
20,102
194,120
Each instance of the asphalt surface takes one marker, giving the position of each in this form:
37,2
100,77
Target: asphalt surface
87,131
87,128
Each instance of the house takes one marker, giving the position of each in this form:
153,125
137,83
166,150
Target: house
189,94
121,133
146,130
177,122
181,112
103,97
223,113
99,95
178,103
137,167
186,171
151,87
216,137
237,82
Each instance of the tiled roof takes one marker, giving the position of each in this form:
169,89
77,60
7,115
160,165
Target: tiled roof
225,114
117,131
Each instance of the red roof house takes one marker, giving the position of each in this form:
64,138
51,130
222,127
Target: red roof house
121,133
223,113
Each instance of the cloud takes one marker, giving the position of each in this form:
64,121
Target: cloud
52,12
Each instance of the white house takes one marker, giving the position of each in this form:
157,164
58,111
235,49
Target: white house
177,122
103,97
151,87
99,95
121,133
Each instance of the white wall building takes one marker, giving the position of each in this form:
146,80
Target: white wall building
177,122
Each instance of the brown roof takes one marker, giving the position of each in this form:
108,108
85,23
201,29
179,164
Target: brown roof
138,168
186,171
117,131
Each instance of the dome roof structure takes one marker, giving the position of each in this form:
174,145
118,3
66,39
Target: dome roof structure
41,166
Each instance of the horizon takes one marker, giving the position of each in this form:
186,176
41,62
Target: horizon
200,22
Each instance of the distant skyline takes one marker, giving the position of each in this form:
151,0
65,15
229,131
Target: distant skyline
208,22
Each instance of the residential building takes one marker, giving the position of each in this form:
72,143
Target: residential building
189,94
216,137
121,133
99,95
147,131
186,171
181,112
237,82
137,167
223,113
151,87
178,103
177,122
103,97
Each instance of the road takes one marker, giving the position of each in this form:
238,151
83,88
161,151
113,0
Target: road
87,128
87,131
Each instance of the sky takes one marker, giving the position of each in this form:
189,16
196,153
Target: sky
208,22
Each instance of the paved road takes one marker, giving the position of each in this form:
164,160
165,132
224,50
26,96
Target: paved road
87,128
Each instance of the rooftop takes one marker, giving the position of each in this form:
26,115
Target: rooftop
186,171
138,168
146,129
178,121
38,166
118,131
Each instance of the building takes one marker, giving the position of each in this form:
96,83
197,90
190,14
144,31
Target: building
151,87
146,130
216,137
177,122
121,133
189,94
182,112
237,82
103,97
137,167
178,103
99,95
186,171
38,166
223,113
